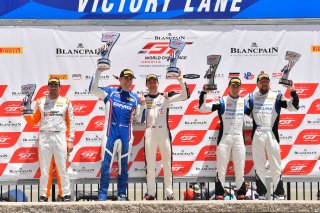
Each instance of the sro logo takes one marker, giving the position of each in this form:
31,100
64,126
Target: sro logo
177,168
297,168
12,108
25,155
88,154
210,153
187,138
310,137
286,122
4,140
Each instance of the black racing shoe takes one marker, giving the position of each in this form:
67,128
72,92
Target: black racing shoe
219,197
170,197
43,199
66,198
149,197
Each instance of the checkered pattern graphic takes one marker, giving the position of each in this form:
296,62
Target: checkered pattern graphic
70,54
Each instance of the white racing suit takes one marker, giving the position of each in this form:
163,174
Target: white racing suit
56,129
265,111
231,112
158,134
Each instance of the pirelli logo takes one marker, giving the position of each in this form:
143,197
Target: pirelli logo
59,76
315,48
10,50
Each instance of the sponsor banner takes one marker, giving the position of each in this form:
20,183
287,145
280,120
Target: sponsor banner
71,55
164,9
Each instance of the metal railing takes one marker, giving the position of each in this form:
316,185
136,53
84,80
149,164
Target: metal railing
297,188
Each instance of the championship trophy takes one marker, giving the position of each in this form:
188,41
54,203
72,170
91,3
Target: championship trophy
213,62
177,46
28,90
292,57
110,39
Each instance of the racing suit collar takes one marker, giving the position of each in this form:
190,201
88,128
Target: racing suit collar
153,95
122,90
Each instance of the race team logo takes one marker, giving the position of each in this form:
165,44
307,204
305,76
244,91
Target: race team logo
96,123
290,121
308,137
315,107
299,167
304,90
10,50
8,139
43,91
76,76
315,48
277,75
25,155
11,108
84,107
59,76
88,154
189,137
248,76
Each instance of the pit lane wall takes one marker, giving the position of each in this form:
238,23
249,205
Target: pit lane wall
172,207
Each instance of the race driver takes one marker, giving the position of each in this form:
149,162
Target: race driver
231,110
157,132
265,107
55,114
122,104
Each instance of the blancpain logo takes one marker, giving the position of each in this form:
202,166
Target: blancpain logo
254,50
10,124
3,156
285,137
16,93
79,51
20,171
305,152
103,77
95,139
79,123
195,122
206,168
140,169
183,153
314,122
85,92
169,37
33,139
84,170
172,107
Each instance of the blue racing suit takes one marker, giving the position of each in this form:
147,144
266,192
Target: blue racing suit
122,106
